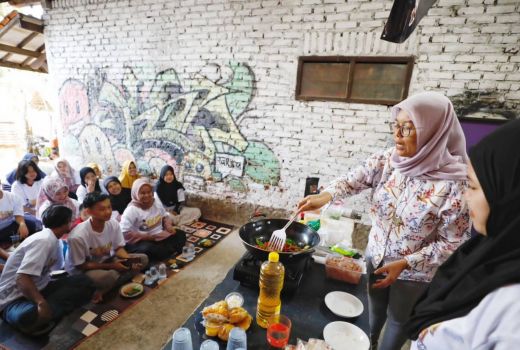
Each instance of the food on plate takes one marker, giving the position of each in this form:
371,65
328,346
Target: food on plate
219,319
212,328
131,290
223,332
217,312
237,315
289,247
206,243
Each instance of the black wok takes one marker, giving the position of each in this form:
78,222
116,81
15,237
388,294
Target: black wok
301,234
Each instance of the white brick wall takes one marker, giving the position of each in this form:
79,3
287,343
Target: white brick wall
462,45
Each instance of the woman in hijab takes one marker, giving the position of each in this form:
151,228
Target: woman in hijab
11,177
419,215
170,193
89,183
55,191
119,197
472,302
147,226
68,175
128,174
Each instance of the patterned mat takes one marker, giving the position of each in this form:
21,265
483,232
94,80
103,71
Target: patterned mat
87,320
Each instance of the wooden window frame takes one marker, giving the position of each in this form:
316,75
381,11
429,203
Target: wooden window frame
352,60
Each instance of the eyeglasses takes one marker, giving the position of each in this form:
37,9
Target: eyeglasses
404,130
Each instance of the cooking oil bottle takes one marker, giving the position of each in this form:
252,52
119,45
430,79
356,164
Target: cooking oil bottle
271,283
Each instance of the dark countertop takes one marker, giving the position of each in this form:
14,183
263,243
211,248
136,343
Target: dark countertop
306,308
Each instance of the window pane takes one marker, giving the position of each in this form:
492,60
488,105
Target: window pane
324,80
379,81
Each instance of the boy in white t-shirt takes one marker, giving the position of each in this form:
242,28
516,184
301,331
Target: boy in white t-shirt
96,247
29,300
12,218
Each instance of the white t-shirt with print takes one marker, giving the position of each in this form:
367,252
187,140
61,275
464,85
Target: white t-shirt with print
28,194
147,221
47,204
492,325
37,256
85,244
10,206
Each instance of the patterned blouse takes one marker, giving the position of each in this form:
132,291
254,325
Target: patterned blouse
422,221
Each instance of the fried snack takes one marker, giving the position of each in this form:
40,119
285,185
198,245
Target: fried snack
225,329
217,312
245,323
212,328
237,315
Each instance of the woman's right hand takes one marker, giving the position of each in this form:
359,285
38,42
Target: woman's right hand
313,202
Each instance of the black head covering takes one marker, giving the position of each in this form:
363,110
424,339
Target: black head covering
167,192
484,263
121,201
87,170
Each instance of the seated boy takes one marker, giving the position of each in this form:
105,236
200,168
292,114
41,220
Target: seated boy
96,247
29,300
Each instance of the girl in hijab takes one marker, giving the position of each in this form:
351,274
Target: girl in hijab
68,175
55,191
11,177
472,302
419,215
128,174
89,183
147,226
119,197
170,193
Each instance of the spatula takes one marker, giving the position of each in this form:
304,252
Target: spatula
277,240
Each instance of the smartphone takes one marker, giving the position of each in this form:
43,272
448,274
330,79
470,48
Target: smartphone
130,261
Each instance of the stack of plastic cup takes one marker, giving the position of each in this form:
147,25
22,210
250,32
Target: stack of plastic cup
209,345
182,339
237,339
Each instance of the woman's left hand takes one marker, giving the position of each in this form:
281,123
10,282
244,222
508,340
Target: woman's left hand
392,271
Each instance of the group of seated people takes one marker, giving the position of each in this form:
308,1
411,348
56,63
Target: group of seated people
110,231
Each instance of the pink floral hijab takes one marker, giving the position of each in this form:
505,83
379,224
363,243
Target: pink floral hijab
441,144
50,187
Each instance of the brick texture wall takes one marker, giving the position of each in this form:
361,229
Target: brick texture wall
208,85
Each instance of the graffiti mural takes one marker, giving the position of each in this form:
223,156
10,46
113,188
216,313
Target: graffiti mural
191,125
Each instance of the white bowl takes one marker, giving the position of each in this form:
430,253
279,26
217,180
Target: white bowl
344,304
345,336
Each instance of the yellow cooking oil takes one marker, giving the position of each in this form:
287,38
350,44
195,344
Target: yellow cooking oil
271,283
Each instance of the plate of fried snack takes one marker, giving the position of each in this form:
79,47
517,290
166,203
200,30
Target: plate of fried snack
219,319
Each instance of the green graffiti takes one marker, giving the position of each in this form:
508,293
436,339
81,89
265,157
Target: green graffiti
261,164
241,89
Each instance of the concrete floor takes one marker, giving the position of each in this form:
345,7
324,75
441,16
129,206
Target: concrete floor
150,323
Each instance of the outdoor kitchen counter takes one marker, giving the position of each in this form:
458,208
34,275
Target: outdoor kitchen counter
306,308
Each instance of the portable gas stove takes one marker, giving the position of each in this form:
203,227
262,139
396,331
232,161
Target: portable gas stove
247,272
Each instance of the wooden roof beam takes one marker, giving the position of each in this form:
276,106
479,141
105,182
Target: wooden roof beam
18,51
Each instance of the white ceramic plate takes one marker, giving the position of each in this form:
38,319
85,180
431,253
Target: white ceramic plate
345,336
344,304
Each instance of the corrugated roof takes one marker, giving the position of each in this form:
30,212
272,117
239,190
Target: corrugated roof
22,43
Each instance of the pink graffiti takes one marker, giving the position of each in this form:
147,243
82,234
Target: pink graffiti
74,105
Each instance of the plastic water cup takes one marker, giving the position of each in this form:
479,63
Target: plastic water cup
182,339
162,271
237,339
154,273
209,345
